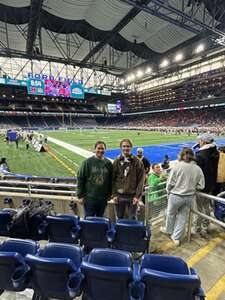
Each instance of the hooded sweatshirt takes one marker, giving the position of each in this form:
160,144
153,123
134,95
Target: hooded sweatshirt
207,159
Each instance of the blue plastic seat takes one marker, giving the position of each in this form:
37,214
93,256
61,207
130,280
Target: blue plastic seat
63,228
13,268
168,278
56,271
131,235
220,208
108,275
5,222
95,233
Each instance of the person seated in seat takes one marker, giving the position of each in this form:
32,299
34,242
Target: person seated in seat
3,165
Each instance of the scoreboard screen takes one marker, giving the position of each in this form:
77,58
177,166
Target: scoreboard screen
114,108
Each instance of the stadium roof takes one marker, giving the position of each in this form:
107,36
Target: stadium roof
110,33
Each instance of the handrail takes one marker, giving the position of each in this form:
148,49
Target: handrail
69,185
211,197
211,219
37,190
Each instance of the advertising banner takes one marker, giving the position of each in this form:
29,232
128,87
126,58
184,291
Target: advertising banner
77,91
35,87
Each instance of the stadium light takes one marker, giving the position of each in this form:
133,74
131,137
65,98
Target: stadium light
122,81
128,78
139,73
200,48
164,63
132,76
148,70
179,57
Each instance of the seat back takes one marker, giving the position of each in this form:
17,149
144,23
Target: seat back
61,229
108,274
164,263
94,232
131,236
23,247
59,250
51,276
167,278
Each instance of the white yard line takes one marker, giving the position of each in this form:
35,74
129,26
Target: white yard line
72,148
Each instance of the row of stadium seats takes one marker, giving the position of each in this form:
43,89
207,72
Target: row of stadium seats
92,232
60,271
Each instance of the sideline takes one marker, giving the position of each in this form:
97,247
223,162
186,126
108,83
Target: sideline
70,170
72,148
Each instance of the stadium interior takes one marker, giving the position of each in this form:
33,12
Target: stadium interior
74,72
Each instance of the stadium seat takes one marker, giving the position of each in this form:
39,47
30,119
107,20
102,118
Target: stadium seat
108,275
95,233
168,278
5,222
131,235
56,271
14,272
220,209
63,228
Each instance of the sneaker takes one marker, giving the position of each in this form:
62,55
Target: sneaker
176,242
163,230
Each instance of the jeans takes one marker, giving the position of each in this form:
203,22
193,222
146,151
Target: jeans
121,206
94,209
177,214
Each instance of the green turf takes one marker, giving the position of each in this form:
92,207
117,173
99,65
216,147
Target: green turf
86,139
31,162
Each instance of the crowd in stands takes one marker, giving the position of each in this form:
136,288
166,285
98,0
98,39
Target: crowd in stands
208,85
210,117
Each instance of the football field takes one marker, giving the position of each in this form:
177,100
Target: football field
61,162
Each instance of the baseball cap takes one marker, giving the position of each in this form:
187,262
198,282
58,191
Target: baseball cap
206,137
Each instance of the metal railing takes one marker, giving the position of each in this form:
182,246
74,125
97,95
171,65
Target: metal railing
155,203
210,218
58,191
155,209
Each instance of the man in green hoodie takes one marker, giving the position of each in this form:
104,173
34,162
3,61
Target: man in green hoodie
95,182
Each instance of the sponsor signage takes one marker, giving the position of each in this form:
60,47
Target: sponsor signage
77,91
35,87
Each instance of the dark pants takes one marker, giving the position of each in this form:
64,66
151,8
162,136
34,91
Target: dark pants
121,206
93,209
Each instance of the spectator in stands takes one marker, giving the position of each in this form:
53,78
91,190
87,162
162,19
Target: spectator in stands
3,165
128,181
166,162
145,161
95,182
207,159
184,180
155,180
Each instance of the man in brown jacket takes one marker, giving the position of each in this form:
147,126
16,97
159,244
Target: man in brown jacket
128,181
